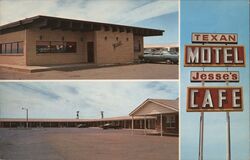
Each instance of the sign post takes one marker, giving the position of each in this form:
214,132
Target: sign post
228,138
219,98
201,136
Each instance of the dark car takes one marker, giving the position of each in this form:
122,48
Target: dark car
148,51
161,56
82,126
110,126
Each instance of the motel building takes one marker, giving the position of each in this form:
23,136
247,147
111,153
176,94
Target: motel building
174,47
44,41
153,116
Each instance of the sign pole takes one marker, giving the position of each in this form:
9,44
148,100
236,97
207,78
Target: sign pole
201,136
228,137
228,132
201,129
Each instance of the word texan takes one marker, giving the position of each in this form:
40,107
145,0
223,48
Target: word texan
214,38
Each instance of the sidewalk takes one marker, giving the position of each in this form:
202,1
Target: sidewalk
32,69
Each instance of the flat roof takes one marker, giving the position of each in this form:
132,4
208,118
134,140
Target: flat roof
53,23
161,45
122,118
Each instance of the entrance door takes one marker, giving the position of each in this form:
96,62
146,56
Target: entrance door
90,51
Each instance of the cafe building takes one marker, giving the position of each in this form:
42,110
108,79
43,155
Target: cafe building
44,41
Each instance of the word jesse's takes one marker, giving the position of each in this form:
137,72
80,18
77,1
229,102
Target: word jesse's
214,99
214,38
200,55
216,76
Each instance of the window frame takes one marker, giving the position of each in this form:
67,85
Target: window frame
64,50
170,121
17,51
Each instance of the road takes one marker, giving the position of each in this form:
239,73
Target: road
136,71
85,144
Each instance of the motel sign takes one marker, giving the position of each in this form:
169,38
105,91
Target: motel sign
214,99
218,56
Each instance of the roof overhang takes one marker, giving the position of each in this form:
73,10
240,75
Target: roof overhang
153,112
55,23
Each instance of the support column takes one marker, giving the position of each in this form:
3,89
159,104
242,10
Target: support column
132,125
145,125
161,126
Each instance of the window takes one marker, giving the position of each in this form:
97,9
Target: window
20,47
2,48
42,47
70,47
55,47
11,48
8,48
15,47
170,121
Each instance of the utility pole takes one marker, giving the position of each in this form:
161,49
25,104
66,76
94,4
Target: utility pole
77,114
102,114
27,116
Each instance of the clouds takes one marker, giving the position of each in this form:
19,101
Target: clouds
63,99
112,11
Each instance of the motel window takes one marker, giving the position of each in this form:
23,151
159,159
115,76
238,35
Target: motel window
55,47
170,121
11,48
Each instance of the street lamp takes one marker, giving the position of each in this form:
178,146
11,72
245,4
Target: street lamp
27,116
102,114
77,114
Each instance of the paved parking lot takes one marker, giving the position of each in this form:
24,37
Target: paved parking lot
85,144
135,71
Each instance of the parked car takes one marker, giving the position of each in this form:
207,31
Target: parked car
148,51
161,56
110,126
82,126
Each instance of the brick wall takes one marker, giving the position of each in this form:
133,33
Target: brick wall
80,38
114,47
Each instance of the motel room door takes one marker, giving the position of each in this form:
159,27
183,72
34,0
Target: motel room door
90,51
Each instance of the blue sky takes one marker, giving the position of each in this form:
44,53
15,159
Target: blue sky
63,98
159,14
221,17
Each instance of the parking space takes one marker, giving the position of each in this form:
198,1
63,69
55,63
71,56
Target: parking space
85,143
135,71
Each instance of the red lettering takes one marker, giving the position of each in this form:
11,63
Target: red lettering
223,38
214,37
